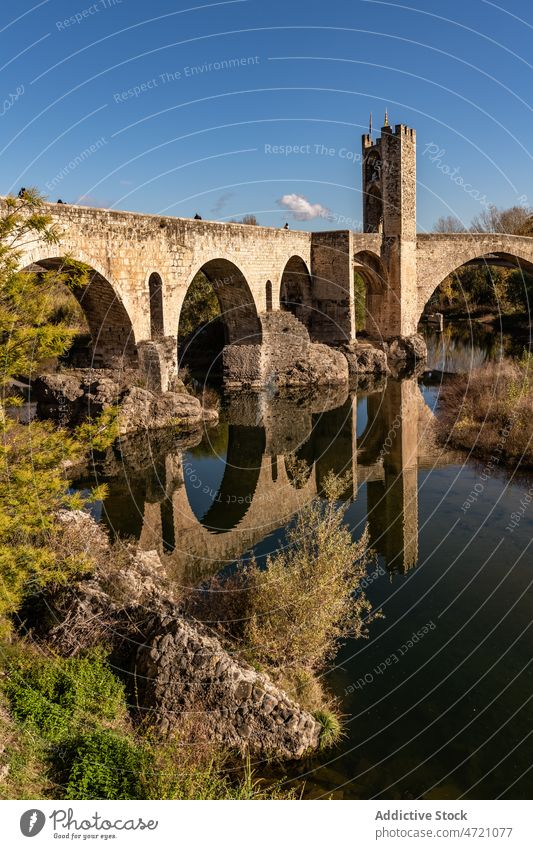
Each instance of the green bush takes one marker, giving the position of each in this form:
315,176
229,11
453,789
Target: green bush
56,697
104,765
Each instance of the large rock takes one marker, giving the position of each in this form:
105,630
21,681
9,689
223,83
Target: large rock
364,358
70,397
144,410
180,668
409,349
184,670
327,366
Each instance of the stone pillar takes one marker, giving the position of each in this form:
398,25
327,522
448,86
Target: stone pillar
158,363
333,319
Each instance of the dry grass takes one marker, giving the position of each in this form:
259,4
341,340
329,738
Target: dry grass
490,412
288,618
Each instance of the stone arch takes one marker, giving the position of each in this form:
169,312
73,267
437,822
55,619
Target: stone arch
237,306
155,293
113,343
370,267
458,251
295,290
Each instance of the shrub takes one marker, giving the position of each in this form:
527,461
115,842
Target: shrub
103,765
56,697
489,411
331,728
304,601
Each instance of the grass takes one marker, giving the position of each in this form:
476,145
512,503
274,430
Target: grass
66,733
488,411
331,728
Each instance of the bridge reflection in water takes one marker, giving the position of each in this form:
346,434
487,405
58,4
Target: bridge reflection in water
206,505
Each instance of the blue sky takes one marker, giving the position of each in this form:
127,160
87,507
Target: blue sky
238,107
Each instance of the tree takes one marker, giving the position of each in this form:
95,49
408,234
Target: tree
29,329
33,485
516,221
199,307
449,224
249,218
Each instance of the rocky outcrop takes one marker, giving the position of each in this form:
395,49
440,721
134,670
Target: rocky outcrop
70,397
180,667
408,349
141,409
286,357
364,358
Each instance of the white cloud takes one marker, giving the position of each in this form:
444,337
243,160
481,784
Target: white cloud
301,208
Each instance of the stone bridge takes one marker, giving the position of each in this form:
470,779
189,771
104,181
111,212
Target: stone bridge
143,266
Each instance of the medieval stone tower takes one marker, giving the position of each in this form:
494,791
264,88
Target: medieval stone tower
389,208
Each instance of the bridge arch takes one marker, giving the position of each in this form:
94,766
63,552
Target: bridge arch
295,290
439,256
238,309
374,275
113,343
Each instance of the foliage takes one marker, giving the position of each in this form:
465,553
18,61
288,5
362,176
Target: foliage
473,287
32,488
29,331
488,411
484,286
58,696
74,732
359,301
304,601
449,224
331,728
199,307
515,220
103,765
66,310
100,433
32,457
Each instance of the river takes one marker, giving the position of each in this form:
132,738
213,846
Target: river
437,701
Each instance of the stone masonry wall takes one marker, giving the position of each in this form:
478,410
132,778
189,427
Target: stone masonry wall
182,669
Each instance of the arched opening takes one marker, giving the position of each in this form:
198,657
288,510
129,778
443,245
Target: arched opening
479,311
493,281
106,338
295,290
155,289
373,200
268,295
370,293
218,310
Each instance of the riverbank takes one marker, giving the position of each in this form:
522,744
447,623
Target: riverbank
487,412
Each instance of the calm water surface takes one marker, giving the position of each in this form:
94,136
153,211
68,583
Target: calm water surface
446,713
